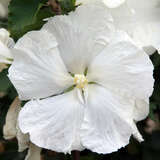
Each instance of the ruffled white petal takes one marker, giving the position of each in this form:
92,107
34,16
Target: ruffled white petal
124,68
141,109
5,44
81,34
54,123
108,122
143,11
4,36
147,35
11,43
38,70
144,6
140,19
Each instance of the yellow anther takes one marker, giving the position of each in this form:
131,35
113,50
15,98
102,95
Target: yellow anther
80,81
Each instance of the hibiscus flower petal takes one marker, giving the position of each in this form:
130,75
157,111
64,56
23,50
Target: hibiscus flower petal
124,68
54,123
140,19
147,35
113,3
141,109
108,122
38,70
5,54
108,3
6,43
81,34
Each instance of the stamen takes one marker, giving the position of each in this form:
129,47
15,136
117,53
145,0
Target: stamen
80,81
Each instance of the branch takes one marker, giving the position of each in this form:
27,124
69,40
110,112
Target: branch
76,155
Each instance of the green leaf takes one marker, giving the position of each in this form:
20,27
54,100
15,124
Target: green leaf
153,107
155,58
69,89
156,93
26,15
6,86
23,103
67,5
3,23
5,83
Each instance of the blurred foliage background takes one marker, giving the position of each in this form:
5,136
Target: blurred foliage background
26,15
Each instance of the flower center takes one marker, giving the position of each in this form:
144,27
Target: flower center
80,81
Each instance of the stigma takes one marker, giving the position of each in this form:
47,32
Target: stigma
80,81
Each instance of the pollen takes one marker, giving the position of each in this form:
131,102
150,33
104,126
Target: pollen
80,81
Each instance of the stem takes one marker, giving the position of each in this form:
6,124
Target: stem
76,155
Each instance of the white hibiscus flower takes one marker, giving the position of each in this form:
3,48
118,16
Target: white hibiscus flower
86,85
6,43
4,8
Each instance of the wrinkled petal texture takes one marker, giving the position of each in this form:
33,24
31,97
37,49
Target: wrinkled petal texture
126,70
62,123
107,121
147,23
37,70
140,19
53,123
81,35
147,36
123,67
